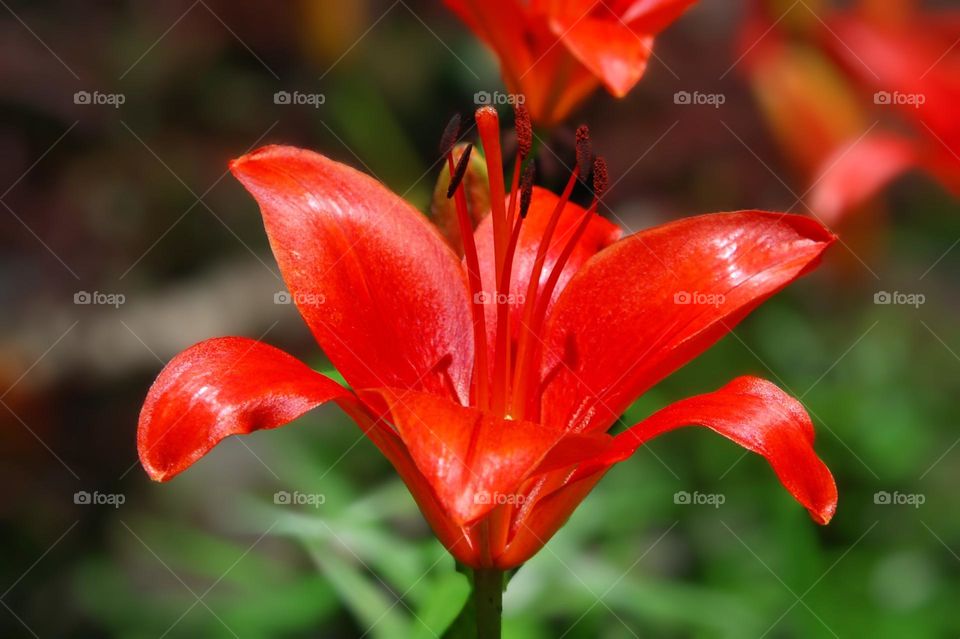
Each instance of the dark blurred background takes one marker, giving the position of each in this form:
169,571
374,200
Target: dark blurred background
124,241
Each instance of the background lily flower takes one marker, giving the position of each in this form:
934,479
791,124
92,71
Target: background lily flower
556,52
905,58
490,383
825,85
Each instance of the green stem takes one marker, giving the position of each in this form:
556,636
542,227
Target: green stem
488,601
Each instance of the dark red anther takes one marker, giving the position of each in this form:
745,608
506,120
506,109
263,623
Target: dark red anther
460,171
450,133
526,189
524,128
601,178
584,152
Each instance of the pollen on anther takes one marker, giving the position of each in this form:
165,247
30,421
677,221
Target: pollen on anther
601,177
450,133
526,189
459,171
524,129
584,151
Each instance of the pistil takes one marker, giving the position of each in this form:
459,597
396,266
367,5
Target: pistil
505,238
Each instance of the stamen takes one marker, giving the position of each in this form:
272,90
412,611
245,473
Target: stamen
504,333
523,347
600,179
526,190
449,137
524,128
457,176
514,183
584,151
481,376
501,377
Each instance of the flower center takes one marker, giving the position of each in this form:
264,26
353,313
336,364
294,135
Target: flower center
509,385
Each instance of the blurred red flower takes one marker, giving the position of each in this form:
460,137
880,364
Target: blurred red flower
490,383
556,52
827,84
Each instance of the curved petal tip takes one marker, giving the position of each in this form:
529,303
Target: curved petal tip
221,387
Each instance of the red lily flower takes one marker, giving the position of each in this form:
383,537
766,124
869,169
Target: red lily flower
909,62
493,401
556,52
824,84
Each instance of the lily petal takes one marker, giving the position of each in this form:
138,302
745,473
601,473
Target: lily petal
652,16
472,459
611,51
381,291
749,411
533,528
501,24
859,170
235,385
454,537
755,414
221,387
615,40
533,61
650,303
